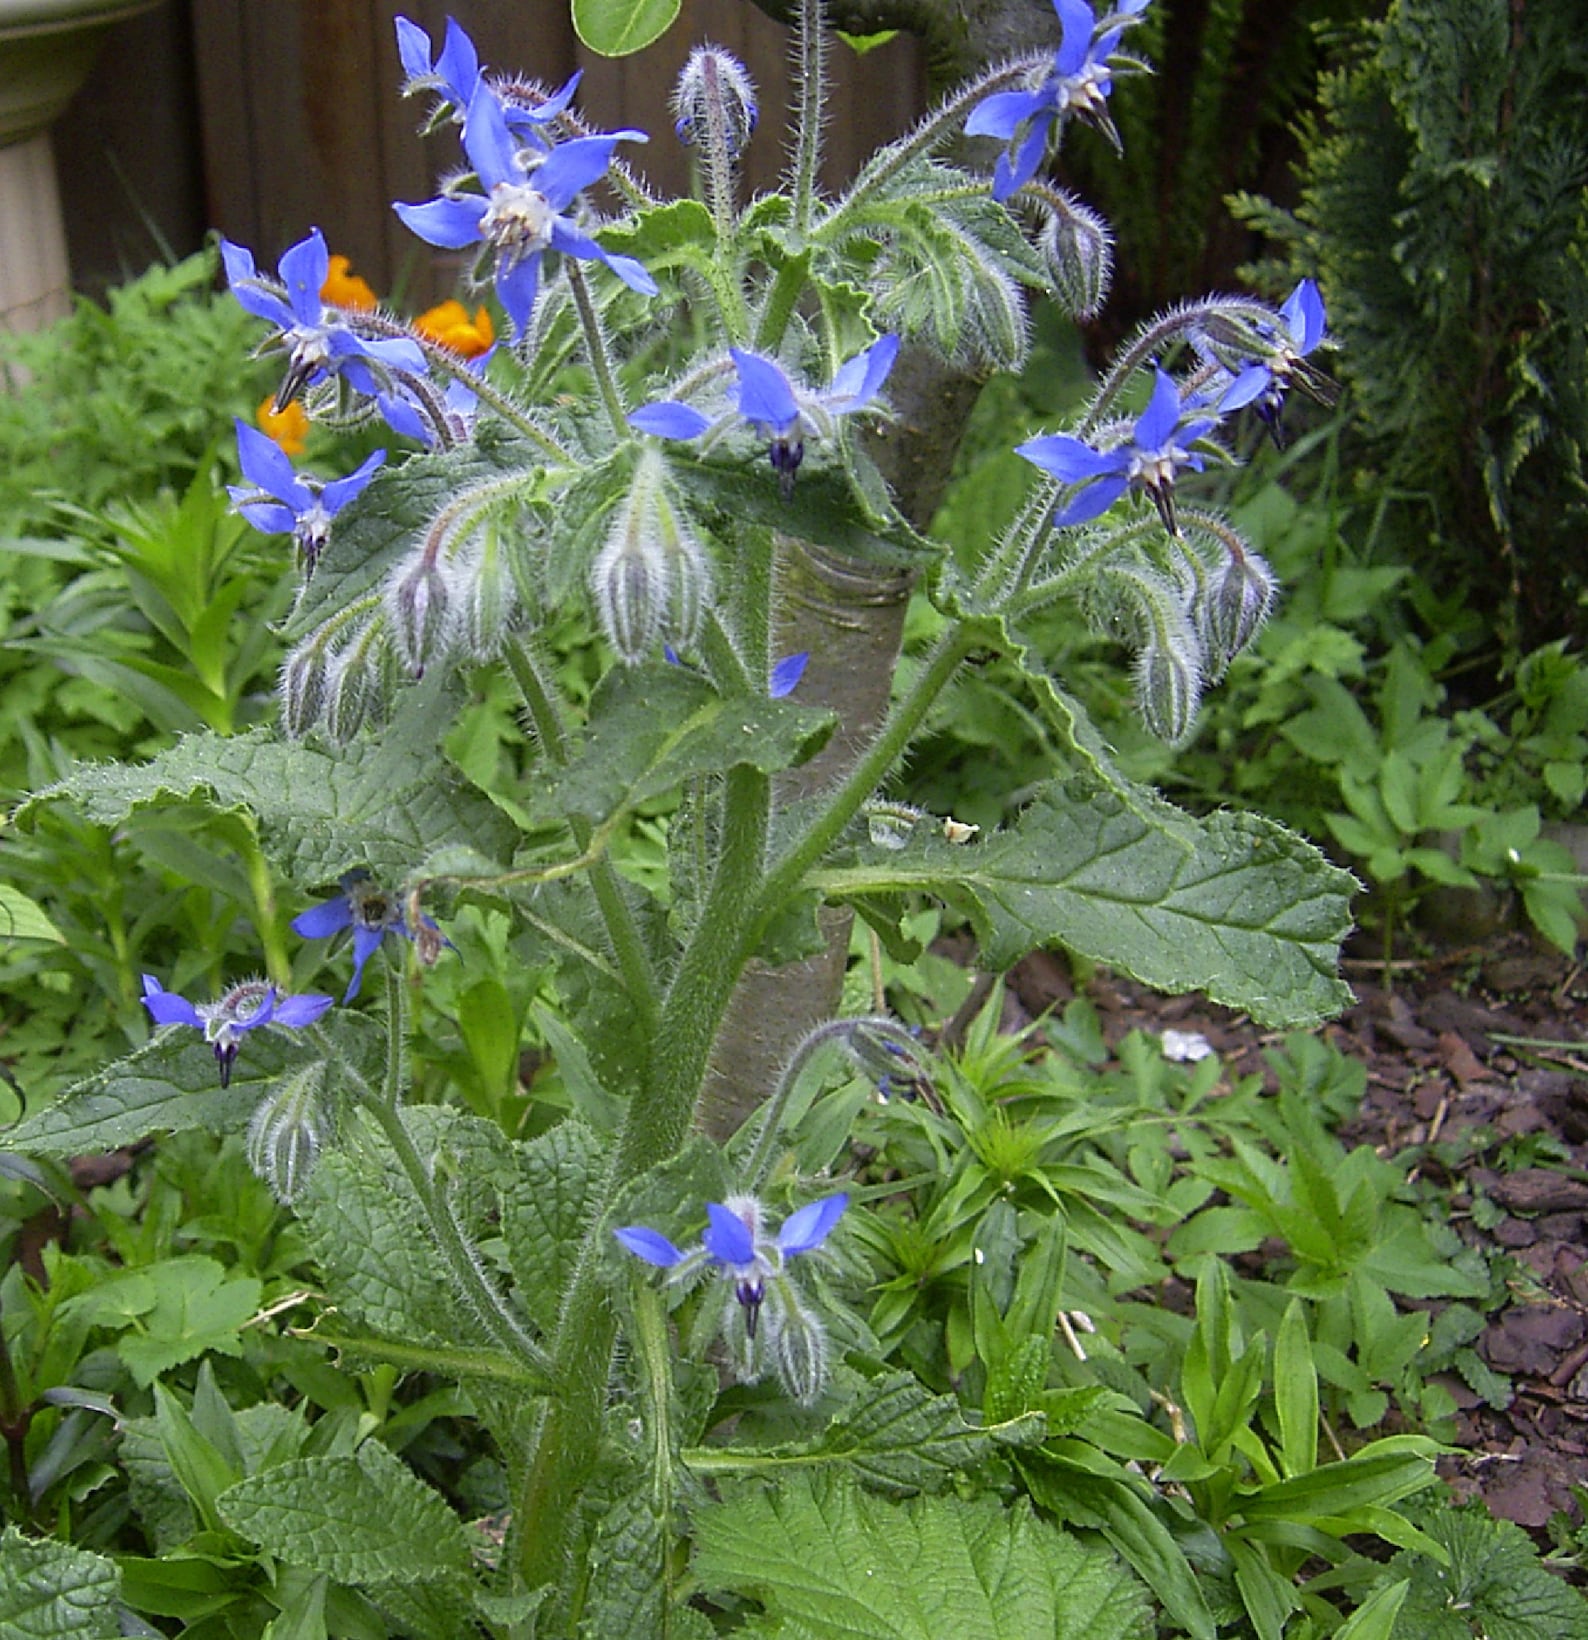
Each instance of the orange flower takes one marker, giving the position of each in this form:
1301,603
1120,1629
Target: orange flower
289,427
449,325
345,289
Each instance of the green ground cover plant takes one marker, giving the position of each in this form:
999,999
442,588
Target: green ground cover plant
406,1322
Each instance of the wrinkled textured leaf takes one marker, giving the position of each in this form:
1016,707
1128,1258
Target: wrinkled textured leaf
385,803
823,1554
363,1518
1233,905
49,1591
652,727
555,1194
900,1438
364,1231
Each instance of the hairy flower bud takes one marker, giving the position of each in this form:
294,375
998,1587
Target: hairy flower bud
291,1125
714,93
303,678
796,1344
632,574
421,607
353,686
489,599
1078,249
1238,602
884,1050
1168,690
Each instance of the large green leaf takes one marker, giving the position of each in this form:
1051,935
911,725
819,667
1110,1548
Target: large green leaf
651,727
1233,905
362,1518
50,1591
545,1209
826,1558
899,1438
615,28
168,1085
387,802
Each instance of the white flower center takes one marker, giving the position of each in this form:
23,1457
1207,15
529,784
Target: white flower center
518,219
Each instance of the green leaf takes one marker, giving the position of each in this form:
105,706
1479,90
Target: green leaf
826,1558
364,1518
1233,905
652,727
50,1591
181,1307
385,803
899,1438
167,1085
1296,1393
616,28
21,919
545,1209
1375,1618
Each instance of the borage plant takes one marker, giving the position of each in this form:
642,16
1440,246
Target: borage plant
708,428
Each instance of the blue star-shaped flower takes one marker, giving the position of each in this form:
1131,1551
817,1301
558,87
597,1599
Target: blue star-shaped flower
318,339
736,1246
364,907
283,502
1077,87
244,1008
1149,460
455,75
1263,382
778,410
519,217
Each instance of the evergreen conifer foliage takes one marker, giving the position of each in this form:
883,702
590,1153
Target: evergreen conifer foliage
1445,214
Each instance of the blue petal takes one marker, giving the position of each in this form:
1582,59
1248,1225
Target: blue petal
340,491
458,65
1304,317
321,921
454,224
727,1238
650,1245
1003,113
765,394
573,166
552,106
413,49
787,674
1069,459
240,272
396,352
296,1012
861,377
399,414
1091,502
515,290
365,942
1010,175
303,269
811,1225
1162,415
487,140
1079,22
1253,381
166,1007
566,238
268,517
269,467
667,418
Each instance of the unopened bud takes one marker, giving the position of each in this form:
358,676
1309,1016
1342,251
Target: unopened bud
421,608
303,676
291,1126
889,825
352,688
688,574
629,578
1078,249
1238,602
488,601
796,1345
714,94
1168,690
884,1050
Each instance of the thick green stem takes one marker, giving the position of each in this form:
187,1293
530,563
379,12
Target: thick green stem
656,1126
812,47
